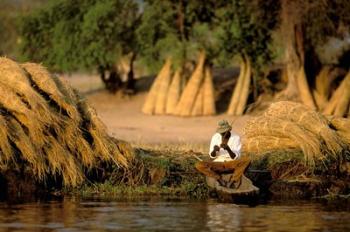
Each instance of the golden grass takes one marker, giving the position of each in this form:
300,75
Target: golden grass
48,128
290,126
269,126
42,78
262,144
309,119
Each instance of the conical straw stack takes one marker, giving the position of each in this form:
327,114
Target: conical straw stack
174,92
208,95
188,97
198,105
237,90
150,103
243,98
160,107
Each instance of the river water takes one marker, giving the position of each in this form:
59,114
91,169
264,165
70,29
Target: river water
163,215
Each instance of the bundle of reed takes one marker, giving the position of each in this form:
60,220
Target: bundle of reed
156,97
338,105
48,129
188,97
271,126
174,94
241,90
208,93
310,120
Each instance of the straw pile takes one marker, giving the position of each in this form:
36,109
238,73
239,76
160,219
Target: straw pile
167,96
240,93
48,129
293,126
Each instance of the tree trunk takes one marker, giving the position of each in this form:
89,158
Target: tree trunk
297,85
130,81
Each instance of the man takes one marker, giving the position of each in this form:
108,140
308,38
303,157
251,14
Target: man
225,150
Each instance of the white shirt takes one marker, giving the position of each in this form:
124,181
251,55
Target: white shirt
222,155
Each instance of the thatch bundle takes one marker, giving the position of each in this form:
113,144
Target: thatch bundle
174,94
48,129
241,90
289,125
156,96
169,96
188,97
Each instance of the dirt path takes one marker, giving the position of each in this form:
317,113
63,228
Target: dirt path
124,119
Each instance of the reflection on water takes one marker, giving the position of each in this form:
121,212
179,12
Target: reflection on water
158,215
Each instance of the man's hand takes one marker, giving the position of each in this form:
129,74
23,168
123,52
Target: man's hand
216,148
224,146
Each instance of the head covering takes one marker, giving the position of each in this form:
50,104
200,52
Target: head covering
223,126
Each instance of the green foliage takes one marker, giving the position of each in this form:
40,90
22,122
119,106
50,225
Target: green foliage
246,28
178,29
68,35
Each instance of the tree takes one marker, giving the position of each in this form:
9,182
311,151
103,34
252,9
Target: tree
246,29
306,26
83,34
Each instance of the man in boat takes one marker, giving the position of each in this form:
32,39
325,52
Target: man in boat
226,157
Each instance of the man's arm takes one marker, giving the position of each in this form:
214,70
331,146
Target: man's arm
228,149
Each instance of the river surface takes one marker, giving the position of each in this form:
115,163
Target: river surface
161,215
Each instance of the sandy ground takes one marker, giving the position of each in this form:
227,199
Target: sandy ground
124,119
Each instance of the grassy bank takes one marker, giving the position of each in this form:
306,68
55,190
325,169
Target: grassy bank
170,172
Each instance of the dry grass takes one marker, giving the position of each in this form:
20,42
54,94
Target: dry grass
48,128
267,126
262,144
309,119
289,127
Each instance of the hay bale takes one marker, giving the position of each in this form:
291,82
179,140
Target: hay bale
309,119
268,126
48,129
